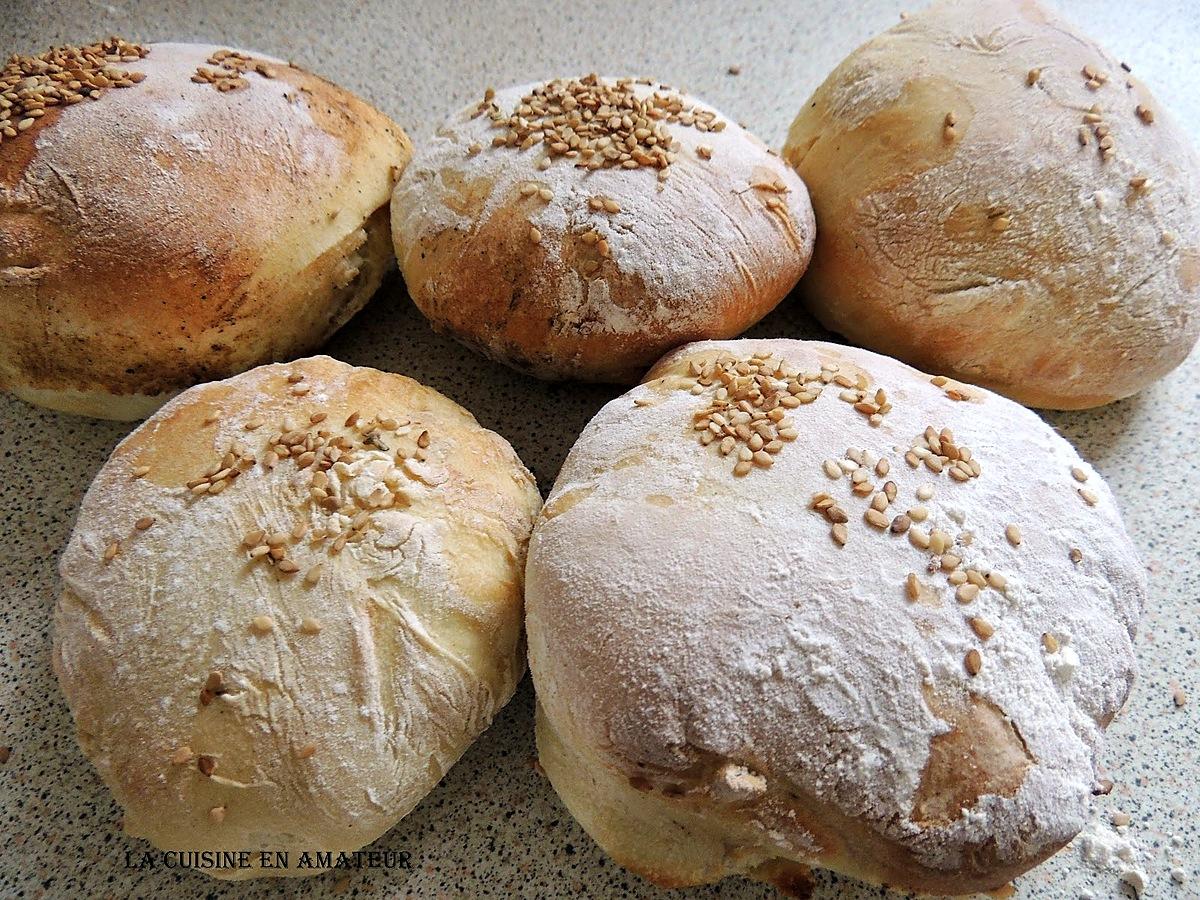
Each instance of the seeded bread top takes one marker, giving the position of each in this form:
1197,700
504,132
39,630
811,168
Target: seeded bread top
292,597
846,576
614,219
152,233
1001,199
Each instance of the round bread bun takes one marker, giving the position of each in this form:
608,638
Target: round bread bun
267,649
1001,201
757,669
583,227
209,212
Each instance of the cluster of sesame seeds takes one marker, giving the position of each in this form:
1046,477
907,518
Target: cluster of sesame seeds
938,452
952,389
1094,120
532,188
318,450
220,475
597,124
600,203
746,417
1093,77
231,66
949,131
272,548
865,472
30,85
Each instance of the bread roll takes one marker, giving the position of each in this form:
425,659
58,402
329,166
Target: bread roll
583,227
265,648
892,661
209,212
1000,200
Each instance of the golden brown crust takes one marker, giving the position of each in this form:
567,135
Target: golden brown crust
974,224
705,252
202,232
675,841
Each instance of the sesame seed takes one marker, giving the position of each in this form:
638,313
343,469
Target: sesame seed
1178,697
1078,474
313,575
919,538
1013,533
839,533
1090,497
111,551
140,472
918,513
876,519
966,593
1050,642
1075,555
742,467
912,586
143,523
1120,819
206,764
310,626
262,624
423,440
973,662
1032,76
981,627
900,524
535,236
287,567
182,756
1145,113
216,815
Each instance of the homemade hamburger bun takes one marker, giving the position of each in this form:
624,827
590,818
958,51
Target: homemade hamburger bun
210,211
896,660
583,227
1000,200
267,649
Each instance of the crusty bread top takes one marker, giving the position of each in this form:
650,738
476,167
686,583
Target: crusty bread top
681,616
408,559
147,217
726,222
983,210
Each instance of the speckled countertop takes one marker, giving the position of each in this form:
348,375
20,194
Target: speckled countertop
494,826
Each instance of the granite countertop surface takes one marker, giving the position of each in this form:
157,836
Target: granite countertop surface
494,827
